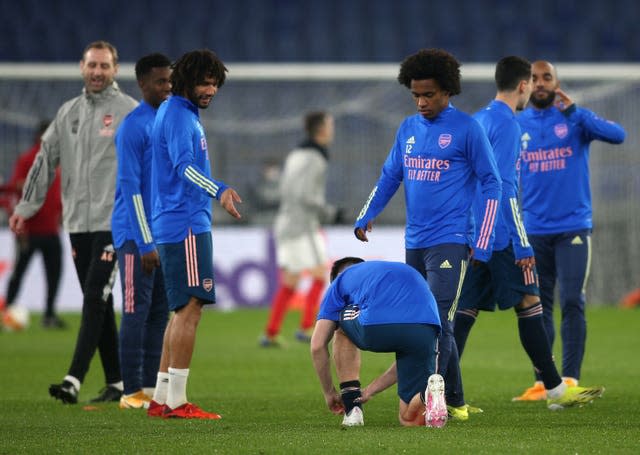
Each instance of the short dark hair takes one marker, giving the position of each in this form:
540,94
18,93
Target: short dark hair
342,264
435,64
193,67
510,71
313,121
145,64
101,44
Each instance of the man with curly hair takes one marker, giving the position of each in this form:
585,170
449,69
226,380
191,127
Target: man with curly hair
182,188
441,154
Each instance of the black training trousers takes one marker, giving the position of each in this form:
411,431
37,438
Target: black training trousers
95,261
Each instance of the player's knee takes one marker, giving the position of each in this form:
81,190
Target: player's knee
573,305
191,312
572,299
407,420
527,302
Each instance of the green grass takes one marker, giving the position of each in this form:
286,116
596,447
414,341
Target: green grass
271,400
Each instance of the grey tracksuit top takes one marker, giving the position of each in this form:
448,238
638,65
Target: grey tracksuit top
81,140
303,206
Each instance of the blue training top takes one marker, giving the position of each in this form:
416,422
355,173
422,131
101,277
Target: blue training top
554,166
385,292
132,207
181,176
440,161
503,131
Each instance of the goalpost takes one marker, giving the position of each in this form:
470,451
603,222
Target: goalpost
257,117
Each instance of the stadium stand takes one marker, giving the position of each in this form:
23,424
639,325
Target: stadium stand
325,30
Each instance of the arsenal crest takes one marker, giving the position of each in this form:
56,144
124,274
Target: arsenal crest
207,284
561,130
444,140
107,120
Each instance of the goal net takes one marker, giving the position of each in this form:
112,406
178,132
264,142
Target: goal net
257,117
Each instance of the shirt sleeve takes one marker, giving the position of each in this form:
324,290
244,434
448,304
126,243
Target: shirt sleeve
503,147
384,189
484,166
315,198
131,142
182,153
42,172
594,127
309,188
332,303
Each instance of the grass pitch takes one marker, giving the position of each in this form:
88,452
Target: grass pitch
271,401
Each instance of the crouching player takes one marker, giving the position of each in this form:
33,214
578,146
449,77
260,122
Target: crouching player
380,307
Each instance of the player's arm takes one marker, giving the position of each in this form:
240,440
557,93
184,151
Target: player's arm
482,161
382,382
322,335
39,178
596,127
384,189
505,143
182,155
131,142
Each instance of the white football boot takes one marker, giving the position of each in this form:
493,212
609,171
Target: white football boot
354,419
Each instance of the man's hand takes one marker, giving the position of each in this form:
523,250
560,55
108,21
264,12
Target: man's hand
361,234
150,261
366,396
227,200
473,261
16,223
334,402
563,102
526,263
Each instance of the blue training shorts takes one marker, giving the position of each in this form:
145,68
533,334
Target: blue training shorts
415,346
187,267
499,282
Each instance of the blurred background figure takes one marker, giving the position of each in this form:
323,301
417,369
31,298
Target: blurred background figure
264,193
41,233
300,246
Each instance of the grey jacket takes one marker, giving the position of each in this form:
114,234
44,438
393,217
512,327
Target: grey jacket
302,194
81,140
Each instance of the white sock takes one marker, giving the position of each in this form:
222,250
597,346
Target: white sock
177,393
557,391
117,385
73,380
148,391
162,386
